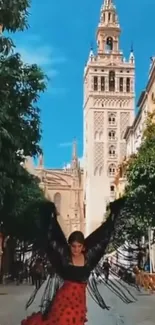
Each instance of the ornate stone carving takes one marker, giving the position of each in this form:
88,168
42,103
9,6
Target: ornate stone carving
98,125
111,102
124,122
98,157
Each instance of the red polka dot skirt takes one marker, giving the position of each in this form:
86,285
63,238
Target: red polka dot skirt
68,307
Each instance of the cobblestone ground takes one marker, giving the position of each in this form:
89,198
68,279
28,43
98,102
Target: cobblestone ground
141,312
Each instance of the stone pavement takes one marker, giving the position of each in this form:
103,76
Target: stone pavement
141,312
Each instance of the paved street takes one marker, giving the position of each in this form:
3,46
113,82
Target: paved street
141,312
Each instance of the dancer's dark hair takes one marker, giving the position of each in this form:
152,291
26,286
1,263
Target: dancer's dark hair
76,236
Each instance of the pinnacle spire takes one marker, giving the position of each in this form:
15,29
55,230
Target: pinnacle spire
74,149
108,4
75,163
108,15
132,50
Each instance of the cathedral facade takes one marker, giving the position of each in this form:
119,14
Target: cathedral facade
81,195
65,188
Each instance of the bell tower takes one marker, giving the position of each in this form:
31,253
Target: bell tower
108,31
109,95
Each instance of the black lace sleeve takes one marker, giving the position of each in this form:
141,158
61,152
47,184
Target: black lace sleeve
97,242
53,238
57,246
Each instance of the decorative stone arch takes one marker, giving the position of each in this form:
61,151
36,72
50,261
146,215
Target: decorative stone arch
57,201
112,135
112,119
112,170
118,103
109,44
100,135
96,135
100,171
112,151
111,80
95,171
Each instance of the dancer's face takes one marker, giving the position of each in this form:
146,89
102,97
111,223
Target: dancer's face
76,248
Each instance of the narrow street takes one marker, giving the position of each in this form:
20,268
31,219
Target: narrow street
141,312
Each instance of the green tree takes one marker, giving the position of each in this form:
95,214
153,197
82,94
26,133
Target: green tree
20,129
140,191
20,211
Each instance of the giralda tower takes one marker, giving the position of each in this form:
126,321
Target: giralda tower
109,96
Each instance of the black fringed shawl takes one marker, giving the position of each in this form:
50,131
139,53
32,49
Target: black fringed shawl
57,250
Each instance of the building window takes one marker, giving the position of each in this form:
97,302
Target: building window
109,16
153,98
112,190
121,84
112,81
112,135
112,151
109,44
128,85
95,83
112,119
57,201
112,170
102,83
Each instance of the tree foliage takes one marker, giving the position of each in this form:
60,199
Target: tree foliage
139,210
20,210
20,129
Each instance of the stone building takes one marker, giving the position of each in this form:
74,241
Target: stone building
109,95
134,133
65,188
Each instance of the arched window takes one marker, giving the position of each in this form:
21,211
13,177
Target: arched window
95,83
112,189
112,119
111,80
102,83
121,84
112,135
109,16
112,170
112,151
109,44
128,85
57,201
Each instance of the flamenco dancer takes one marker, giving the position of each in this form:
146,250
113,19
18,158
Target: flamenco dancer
64,298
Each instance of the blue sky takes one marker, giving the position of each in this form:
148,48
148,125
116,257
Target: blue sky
59,40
